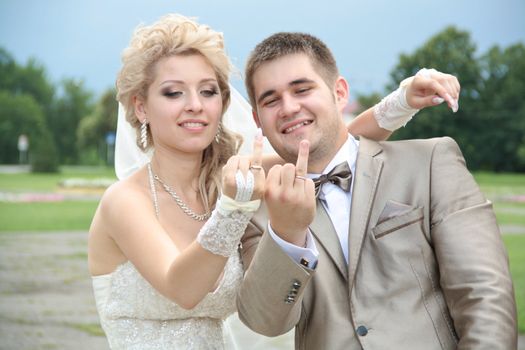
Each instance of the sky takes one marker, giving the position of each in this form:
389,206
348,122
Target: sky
84,39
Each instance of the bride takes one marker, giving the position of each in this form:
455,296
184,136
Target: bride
163,242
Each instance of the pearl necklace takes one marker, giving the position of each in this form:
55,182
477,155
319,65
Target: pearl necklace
178,200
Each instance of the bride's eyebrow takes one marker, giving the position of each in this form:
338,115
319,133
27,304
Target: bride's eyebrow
175,81
171,81
209,80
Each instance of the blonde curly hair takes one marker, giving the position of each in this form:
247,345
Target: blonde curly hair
172,35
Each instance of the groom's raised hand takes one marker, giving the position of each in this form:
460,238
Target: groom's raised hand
290,198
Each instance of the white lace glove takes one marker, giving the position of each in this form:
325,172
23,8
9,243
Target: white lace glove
393,111
223,230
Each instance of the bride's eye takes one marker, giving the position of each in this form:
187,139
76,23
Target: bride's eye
173,94
209,92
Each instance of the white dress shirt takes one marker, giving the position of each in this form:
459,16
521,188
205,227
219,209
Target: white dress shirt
337,203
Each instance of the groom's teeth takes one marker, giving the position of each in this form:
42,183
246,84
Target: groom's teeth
290,129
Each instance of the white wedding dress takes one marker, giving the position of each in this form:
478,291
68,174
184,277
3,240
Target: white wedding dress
135,316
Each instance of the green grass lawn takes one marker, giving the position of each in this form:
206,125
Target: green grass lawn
51,216
515,180
495,185
48,216
50,182
516,248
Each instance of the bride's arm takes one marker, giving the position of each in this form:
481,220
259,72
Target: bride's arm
242,188
365,124
126,217
426,89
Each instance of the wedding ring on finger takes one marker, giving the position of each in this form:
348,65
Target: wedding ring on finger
244,186
256,167
299,177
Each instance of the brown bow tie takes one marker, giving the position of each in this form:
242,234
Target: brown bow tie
341,176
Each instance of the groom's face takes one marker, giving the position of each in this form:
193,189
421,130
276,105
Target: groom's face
293,103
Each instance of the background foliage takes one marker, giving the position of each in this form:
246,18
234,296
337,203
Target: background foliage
50,115
490,124
66,125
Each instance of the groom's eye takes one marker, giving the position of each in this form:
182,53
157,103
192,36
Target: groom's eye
303,90
270,102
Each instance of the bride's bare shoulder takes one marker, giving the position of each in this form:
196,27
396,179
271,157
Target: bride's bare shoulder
126,193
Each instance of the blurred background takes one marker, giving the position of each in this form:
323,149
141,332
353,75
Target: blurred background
58,64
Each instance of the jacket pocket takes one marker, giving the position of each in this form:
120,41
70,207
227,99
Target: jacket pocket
398,222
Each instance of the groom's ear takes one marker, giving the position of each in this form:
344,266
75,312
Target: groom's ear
342,93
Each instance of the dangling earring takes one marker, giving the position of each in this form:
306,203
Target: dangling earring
144,133
218,134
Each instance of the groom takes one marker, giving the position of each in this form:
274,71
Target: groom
405,255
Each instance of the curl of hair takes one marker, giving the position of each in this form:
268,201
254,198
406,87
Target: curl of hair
173,35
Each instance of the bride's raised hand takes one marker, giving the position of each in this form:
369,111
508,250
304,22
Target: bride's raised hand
243,177
430,87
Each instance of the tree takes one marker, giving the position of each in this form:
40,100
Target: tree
489,124
27,80
61,114
367,101
68,110
7,68
92,131
21,114
503,112
26,98
450,51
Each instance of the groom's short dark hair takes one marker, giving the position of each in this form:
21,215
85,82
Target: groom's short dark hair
285,43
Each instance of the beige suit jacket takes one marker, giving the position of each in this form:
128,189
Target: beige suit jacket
427,267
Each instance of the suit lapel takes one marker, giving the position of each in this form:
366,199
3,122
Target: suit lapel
367,175
323,229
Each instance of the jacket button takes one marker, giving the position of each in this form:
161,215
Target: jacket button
362,331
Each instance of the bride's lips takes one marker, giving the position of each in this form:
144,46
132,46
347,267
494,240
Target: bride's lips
193,124
296,124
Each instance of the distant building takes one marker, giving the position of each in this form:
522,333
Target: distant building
350,110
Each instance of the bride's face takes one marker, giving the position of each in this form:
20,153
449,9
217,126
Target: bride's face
184,103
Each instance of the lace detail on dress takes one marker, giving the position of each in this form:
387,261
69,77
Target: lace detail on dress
136,316
223,230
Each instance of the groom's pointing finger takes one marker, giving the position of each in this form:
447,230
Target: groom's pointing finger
301,167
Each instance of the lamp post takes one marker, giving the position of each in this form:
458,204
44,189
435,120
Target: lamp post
23,147
110,146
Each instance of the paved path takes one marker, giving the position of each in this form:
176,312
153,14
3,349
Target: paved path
46,300
14,169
